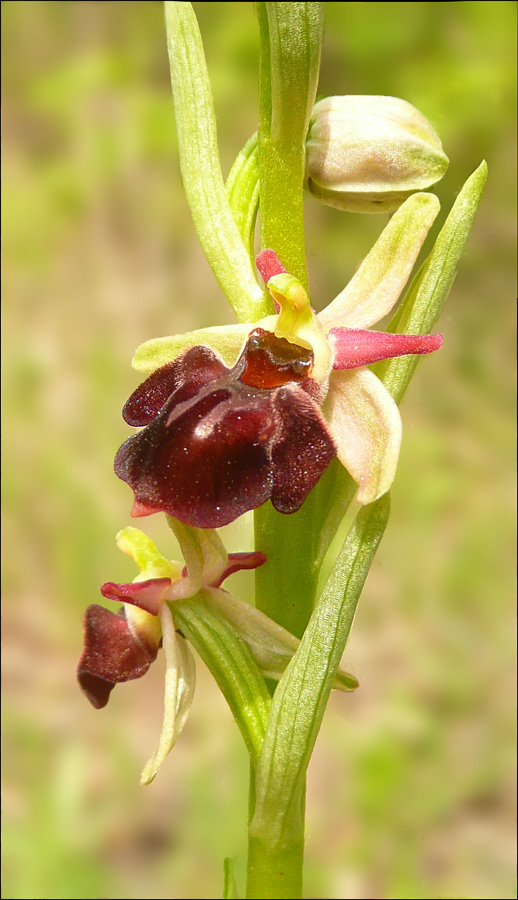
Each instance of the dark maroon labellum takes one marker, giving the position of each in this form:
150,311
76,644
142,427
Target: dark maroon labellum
221,441
112,654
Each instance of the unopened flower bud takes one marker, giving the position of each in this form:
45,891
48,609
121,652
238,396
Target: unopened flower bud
368,154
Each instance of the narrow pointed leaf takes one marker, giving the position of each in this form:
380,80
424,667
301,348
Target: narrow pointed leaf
431,286
231,664
200,165
331,499
242,188
271,646
230,891
300,700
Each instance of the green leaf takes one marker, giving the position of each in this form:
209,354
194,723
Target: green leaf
231,664
300,700
201,169
431,286
416,315
242,187
230,891
331,499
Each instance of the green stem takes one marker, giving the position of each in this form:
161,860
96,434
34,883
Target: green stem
286,585
274,872
290,42
300,700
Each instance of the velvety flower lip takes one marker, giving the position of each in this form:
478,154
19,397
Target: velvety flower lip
112,653
220,438
218,442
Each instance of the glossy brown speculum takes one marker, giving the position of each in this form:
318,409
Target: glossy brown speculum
271,362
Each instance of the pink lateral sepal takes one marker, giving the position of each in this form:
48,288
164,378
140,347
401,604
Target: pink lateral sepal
355,347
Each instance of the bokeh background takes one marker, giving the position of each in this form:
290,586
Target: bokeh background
411,787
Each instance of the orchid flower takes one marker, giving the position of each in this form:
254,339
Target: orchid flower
121,646
218,440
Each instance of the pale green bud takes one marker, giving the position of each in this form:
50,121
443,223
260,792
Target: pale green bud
368,154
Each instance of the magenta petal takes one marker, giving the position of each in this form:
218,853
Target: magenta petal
144,594
204,462
111,654
355,348
303,451
268,265
186,376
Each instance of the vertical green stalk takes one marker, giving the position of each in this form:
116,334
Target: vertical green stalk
290,42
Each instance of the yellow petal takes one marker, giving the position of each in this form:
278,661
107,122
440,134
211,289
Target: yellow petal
366,427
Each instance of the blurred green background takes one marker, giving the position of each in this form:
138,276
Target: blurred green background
411,787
